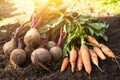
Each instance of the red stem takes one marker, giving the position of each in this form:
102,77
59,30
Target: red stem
19,44
33,20
18,30
61,38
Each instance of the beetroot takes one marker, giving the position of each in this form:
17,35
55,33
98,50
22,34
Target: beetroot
9,47
17,57
32,38
56,53
51,44
41,56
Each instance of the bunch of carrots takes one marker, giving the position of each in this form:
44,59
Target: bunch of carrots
84,56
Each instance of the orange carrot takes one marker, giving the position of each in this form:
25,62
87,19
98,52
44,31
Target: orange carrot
107,51
79,61
64,64
86,59
92,40
73,58
99,53
94,59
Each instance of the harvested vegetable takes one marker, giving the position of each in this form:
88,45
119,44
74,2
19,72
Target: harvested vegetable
86,59
79,61
32,38
9,47
107,51
92,41
12,44
56,53
28,51
51,44
73,58
99,53
65,64
41,56
94,59
18,56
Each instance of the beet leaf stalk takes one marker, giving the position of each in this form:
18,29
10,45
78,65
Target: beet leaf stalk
61,38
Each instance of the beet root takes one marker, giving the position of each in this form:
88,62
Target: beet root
41,56
9,47
28,53
51,44
56,53
17,57
32,38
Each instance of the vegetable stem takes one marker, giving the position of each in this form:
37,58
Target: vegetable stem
33,21
18,30
19,44
61,38
82,40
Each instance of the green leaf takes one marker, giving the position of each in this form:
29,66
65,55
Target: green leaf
98,26
82,18
105,37
91,30
51,24
44,29
82,22
67,26
101,34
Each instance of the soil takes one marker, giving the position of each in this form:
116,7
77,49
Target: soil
112,71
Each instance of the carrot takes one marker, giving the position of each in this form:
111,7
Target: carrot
92,40
99,53
94,59
86,59
73,58
79,61
107,51
64,64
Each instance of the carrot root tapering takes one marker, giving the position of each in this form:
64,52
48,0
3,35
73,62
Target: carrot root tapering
94,59
86,59
107,51
65,64
99,53
73,57
79,61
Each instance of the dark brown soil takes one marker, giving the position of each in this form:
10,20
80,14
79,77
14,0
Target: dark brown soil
112,72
